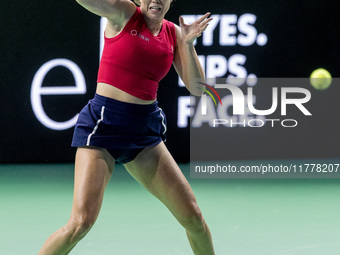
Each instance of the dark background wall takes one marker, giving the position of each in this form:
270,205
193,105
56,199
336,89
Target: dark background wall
302,36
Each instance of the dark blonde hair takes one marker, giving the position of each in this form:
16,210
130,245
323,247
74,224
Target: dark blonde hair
137,2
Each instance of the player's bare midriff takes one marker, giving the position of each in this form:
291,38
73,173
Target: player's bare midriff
110,91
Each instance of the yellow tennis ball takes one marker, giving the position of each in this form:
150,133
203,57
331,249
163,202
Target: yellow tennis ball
320,79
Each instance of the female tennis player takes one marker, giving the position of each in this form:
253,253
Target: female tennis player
123,123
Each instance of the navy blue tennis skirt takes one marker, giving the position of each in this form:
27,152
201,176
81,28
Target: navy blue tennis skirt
124,129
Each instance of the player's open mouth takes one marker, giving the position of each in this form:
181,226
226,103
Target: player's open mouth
155,9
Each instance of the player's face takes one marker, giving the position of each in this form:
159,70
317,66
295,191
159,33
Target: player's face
156,8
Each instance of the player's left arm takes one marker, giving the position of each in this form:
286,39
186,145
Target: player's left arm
185,61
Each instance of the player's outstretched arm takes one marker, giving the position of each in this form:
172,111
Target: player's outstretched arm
186,61
116,11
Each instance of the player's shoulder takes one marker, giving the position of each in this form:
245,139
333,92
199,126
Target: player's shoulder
126,10
178,33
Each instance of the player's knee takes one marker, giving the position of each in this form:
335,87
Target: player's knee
78,228
193,220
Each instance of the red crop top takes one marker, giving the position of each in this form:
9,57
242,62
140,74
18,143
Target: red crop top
135,60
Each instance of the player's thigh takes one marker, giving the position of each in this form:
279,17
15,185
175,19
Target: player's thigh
158,172
93,170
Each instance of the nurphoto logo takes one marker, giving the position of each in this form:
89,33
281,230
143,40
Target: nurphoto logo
240,101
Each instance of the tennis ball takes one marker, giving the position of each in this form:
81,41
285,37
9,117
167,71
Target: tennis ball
320,79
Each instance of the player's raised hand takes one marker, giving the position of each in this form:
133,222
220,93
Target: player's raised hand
191,32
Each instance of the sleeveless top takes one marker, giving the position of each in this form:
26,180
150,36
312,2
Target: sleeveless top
135,60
